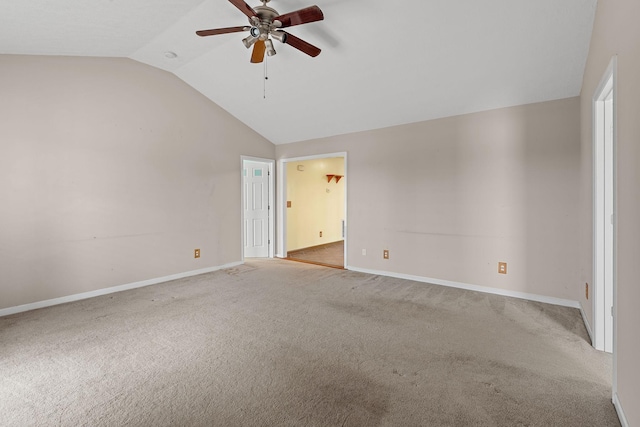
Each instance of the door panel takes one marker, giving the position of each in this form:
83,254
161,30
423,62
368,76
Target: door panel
258,228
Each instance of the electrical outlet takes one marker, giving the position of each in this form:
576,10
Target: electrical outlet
321,234
196,253
385,254
586,290
502,267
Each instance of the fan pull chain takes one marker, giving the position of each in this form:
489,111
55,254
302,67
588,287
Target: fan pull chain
264,82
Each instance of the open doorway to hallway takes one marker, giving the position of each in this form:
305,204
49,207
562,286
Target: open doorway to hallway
315,210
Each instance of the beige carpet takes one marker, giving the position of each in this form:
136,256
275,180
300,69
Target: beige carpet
277,343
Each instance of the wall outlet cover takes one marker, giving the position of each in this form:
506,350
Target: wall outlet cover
502,267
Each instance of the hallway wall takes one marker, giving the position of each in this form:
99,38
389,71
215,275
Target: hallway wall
616,32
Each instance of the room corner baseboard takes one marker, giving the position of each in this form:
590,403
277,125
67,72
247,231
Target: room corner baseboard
586,323
469,287
618,406
105,291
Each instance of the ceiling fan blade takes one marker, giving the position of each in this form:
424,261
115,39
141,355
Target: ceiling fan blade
257,56
203,33
301,45
302,16
244,7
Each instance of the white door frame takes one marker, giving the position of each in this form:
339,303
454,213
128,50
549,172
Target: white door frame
271,232
282,201
604,175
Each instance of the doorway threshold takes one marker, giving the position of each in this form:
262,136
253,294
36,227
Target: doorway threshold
328,254
338,267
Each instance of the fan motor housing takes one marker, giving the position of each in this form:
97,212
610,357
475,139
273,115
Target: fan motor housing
264,21
266,14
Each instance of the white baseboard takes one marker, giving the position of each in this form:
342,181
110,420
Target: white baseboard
485,289
586,323
618,406
105,291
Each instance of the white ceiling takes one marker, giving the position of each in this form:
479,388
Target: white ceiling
383,63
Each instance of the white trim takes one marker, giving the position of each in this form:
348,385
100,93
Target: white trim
272,211
600,311
282,212
282,203
586,323
105,291
621,415
315,157
469,287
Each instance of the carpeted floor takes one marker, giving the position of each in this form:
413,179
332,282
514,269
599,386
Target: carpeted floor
330,254
277,343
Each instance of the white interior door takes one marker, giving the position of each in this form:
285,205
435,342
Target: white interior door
256,208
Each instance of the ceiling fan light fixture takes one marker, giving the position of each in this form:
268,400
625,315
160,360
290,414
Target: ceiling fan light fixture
279,35
249,41
269,47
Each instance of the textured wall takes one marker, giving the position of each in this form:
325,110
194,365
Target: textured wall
451,197
616,32
112,172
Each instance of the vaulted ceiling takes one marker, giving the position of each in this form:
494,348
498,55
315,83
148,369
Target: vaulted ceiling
383,63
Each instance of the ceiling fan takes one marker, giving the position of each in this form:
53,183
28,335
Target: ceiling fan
267,23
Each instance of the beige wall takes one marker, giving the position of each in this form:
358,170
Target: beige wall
112,172
616,32
316,205
450,198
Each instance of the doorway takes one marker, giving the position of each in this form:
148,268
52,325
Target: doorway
604,211
257,202
312,218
